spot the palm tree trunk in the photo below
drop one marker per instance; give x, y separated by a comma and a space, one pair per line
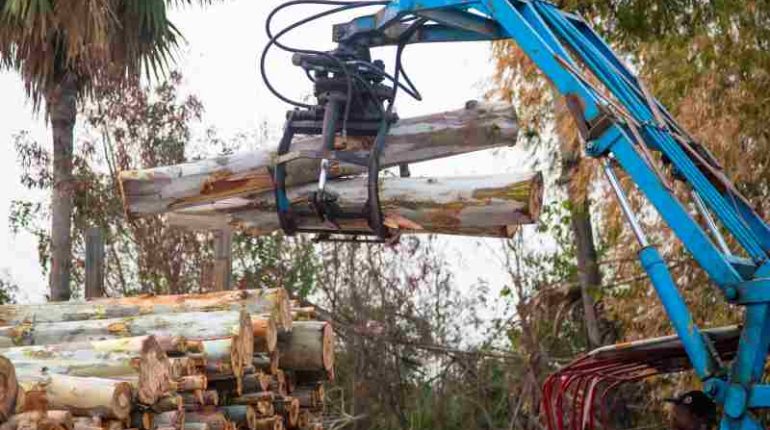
62, 110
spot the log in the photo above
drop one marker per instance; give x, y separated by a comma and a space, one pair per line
196, 426
243, 416
9, 389
491, 206
478, 126
168, 403
192, 383
288, 407
106, 359
273, 423
83, 396
278, 383
182, 366
268, 363
142, 420
310, 397
173, 419
216, 420
225, 357
265, 334
309, 348
202, 398
193, 325
270, 301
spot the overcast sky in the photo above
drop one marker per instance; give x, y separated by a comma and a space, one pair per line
219, 65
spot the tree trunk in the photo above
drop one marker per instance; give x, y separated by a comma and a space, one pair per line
62, 110
310, 347
480, 206
82, 396
478, 126
273, 301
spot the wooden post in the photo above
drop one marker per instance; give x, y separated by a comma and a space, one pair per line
94, 263
223, 251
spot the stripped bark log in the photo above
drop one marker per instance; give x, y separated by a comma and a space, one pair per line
193, 325
273, 423
201, 398
268, 363
216, 420
226, 357
478, 126
479, 206
83, 396
309, 348
168, 403
243, 416
257, 302
141, 356
310, 397
265, 334
173, 419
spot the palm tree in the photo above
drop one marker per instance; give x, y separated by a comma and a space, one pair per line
63, 51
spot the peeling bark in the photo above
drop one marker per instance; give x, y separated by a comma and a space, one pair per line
480, 206
478, 126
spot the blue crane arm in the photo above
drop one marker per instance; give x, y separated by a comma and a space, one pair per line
621, 122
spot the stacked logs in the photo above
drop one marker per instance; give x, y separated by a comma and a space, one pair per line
234, 360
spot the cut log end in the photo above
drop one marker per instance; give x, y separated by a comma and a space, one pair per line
265, 334
154, 372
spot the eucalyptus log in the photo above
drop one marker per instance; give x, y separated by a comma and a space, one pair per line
173, 419
278, 383
104, 398
192, 383
310, 397
309, 348
288, 407
268, 363
142, 420
196, 426
226, 357
257, 302
272, 423
478, 126
9, 389
168, 403
216, 420
243, 416
194, 325
265, 334
201, 398
141, 356
50, 420
493, 206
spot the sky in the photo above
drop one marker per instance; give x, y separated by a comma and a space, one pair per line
219, 64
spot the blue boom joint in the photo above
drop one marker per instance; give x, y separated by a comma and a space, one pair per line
620, 120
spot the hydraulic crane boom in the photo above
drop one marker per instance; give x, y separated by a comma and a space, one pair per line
622, 124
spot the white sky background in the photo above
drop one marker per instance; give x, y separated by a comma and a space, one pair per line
220, 66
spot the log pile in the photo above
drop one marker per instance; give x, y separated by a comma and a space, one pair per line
236, 192
234, 360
